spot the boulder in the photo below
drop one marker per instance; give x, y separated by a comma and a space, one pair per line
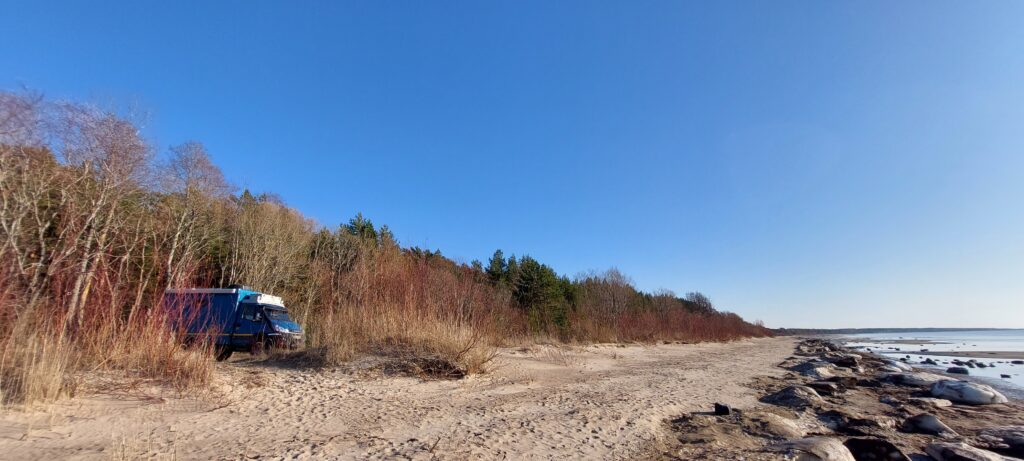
929, 362
825, 387
902, 366
1008, 440
931, 402
819, 448
852, 423
981, 365
1018, 362
722, 409
872, 449
772, 425
958, 370
914, 379
966, 392
848, 361
926, 423
1005, 376
815, 369
844, 382
889, 369
794, 396
961, 452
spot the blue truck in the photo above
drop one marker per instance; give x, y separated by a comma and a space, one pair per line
234, 319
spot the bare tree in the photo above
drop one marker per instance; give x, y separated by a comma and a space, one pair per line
193, 184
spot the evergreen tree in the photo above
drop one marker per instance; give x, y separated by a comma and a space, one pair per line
497, 269
362, 228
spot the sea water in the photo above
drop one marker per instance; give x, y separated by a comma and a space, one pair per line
974, 342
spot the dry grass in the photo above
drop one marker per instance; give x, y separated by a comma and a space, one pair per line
44, 360
394, 305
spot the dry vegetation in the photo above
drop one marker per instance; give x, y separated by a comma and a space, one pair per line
93, 228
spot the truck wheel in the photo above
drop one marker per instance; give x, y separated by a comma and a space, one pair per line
261, 346
223, 353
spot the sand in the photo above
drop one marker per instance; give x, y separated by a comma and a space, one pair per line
597, 402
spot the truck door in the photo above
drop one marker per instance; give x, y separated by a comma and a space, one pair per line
248, 325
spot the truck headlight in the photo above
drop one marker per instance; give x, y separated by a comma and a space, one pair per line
280, 329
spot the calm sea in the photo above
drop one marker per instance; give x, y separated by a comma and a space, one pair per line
958, 341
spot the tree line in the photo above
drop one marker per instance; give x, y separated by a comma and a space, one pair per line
95, 225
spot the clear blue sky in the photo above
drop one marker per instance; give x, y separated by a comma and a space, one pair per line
805, 163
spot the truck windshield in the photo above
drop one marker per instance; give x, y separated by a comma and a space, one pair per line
276, 313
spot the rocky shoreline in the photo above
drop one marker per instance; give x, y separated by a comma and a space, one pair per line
838, 404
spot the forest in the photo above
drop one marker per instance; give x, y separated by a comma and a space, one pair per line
96, 222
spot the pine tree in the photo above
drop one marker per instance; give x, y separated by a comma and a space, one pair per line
497, 269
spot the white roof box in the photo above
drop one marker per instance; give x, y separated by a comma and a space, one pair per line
266, 299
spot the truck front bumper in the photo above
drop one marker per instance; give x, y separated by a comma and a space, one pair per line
288, 340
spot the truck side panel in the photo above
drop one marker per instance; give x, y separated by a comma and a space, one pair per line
206, 313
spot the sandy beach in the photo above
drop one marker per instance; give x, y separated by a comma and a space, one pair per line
595, 402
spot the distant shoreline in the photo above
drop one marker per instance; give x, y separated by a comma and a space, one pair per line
1011, 355
856, 331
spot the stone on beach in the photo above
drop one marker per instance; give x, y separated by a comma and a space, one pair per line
931, 401
966, 392
819, 448
927, 423
958, 370
900, 365
871, 448
772, 425
1005, 439
815, 369
914, 379
794, 396
962, 452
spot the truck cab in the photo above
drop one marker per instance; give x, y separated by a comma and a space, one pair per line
234, 319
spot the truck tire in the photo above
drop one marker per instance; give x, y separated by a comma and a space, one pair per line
223, 353
261, 346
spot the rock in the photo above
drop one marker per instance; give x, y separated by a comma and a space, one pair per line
969, 364
961, 452
958, 370
844, 382
872, 449
849, 361
890, 400
902, 366
966, 392
825, 387
722, 409
847, 422
1008, 440
1018, 362
889, 369
914, 379
794, 396
959, 362
819, 448
926, 423
815, 369
772, 425
981, 365
931, 401
1005, 376
929, 362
